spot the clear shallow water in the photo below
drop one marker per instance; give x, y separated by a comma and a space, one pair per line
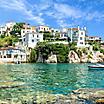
50, 78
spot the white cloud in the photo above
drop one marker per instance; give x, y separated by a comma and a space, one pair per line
61, 12
58, 11
95, 15
24, 8
68, 11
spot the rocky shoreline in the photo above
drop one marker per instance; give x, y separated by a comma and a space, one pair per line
80, 96
80, 57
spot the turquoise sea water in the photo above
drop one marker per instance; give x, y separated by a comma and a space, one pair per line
50, 78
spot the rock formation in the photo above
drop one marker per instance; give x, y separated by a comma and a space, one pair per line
92, 57
52, 59
96, 57
73, 57
84, 58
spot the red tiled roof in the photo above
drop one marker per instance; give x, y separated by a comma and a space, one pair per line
7, 48
73, 29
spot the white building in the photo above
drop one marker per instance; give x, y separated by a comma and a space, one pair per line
7, 28
12, 54
53, 30
10, 25
43, 28
77, 35
81, 38
27, 29
30, 39
93, 38
63, 36
2, 30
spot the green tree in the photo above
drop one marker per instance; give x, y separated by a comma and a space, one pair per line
90, 55
72, 46
47, 36
102, 51
16, 31
8, 41
44, 49
61, 51
96, 46
33, 56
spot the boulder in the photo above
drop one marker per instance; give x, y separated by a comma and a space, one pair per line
52, 59
84, 58
73, 57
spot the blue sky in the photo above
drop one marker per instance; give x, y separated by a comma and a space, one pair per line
56, 13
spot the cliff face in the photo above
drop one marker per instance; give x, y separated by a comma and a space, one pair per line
73, 57
92, 57
40, 58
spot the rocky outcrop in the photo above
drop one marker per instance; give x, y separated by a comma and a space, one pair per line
1, 62
96, 57
84, 58
40, 58
52, 59
92, 57
73, 57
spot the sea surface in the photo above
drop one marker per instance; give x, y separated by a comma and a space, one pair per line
28, 79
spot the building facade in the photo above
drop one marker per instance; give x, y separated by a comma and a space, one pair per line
7, 28
93, 38
31, 39
12, 54
2, 30
77, 35
27, 29
43, 29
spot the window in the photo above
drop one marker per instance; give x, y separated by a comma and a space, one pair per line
81, 33
23, 31
24, 39
65, 35
37, 36
21, 56
33, 35
32, 40
37, 39
80, 38
8, 55
4, 56
81, 42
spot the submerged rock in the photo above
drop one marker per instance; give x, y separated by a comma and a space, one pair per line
80, 96
12, 84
